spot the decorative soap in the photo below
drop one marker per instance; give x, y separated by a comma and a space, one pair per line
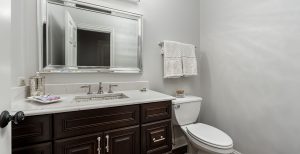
179, 93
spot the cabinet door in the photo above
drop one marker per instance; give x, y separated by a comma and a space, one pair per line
32, 130
44, 148
123, 141
87, 144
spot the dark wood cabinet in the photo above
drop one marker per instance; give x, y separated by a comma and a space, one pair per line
156, 111
123, 141
44, 148
86, 144
134, 129
34, 129
157, 137
91, 121
119, 141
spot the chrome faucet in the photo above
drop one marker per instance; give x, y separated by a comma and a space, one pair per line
100, 90
110, 87
89, 88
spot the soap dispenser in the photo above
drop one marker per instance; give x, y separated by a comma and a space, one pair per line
37, 85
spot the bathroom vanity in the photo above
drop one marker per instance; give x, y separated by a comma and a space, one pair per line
138, 124
80, 37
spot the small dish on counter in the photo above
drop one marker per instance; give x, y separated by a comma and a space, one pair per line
46, 99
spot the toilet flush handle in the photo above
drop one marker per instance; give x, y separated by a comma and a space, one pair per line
177, 106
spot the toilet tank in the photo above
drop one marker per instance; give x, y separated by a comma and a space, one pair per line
186, 110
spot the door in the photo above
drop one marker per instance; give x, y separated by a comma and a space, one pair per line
5, 35
70, 40
123, 141
86, 144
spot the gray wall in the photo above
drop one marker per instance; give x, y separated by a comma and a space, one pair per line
167, 19
251, 72
24, 36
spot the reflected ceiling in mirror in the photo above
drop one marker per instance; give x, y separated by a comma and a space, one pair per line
81, 37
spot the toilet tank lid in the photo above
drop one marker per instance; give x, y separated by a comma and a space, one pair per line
187, 99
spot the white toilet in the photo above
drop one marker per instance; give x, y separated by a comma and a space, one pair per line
202, 138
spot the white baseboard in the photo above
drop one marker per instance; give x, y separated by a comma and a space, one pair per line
236, 152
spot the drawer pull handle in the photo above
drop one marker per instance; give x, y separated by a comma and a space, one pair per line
107, 143
99, 145
158, 140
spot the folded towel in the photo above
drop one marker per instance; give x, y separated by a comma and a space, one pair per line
189, 60
172, 59
189, 66
172, 67
188, 50
179, 59
171, 49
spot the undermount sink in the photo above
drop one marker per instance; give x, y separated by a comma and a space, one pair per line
100, 97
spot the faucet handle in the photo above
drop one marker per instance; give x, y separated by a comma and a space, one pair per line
89, 88
100, 90
110, 87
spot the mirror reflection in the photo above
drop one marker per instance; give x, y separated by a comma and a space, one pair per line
81, 36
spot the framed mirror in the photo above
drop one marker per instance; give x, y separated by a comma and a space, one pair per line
79, 37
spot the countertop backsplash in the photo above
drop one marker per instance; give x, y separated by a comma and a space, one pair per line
74, 88
18, 93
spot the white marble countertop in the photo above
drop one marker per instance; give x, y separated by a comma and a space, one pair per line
68, 103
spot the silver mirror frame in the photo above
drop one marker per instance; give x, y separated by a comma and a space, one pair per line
41, 6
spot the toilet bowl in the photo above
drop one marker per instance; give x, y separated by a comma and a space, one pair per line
202, 138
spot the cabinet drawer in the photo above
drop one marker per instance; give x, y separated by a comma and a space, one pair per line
33, 129
44, 148
156, 111
157, 137
93, 121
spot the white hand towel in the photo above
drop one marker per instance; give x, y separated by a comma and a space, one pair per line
171, 49
189, 60
188, 50
172, 67
172, 59
189, 66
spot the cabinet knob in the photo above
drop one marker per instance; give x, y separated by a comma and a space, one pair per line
5, 118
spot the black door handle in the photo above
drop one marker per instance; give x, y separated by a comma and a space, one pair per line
5, 118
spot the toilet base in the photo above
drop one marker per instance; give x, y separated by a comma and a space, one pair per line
192, 150
196, 147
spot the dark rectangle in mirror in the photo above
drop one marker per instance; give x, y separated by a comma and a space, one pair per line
93, 48
44, 45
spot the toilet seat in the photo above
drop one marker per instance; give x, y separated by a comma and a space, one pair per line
209, 135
